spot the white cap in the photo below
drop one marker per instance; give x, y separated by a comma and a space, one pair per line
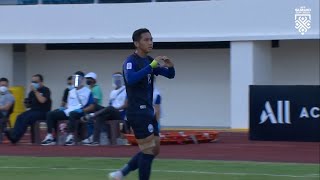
91, 75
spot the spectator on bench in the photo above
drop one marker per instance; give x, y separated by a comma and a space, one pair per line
91, 80
65, 99
80, 101
115, 110
6, 103
38, 102
66, 92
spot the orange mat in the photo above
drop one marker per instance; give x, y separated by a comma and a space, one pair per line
181, 137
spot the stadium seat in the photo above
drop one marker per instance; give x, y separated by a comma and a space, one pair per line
114, 130
36, 132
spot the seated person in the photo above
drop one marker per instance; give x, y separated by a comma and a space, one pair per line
91, 80
66, 92
115, 110
6, 102
80, 101
38, 102
64, 100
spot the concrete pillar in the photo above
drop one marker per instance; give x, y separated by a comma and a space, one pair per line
250, 65
6, 61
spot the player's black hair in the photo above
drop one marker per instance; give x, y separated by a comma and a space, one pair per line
4, 79
136, 36
39, 76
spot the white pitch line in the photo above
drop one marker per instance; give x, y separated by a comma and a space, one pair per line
173, 171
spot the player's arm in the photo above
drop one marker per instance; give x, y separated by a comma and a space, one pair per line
132, 76
167, 70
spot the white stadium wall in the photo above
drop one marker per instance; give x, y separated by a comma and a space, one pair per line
198, 96
200, 93
296, 62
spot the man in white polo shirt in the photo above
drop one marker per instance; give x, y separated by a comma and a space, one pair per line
115, 110
80, 101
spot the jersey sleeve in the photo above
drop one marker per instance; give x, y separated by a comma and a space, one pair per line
133, 76
166, 72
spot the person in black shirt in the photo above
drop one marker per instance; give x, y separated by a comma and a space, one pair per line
38, 102
66, 92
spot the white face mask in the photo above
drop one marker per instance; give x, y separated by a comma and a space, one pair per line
70, 87
3, 89
117, 80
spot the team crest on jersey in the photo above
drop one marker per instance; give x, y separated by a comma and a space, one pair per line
129, 65
150, 128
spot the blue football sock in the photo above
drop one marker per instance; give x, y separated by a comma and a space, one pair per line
145, 163
132, 164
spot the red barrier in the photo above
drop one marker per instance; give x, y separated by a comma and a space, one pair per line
181, 137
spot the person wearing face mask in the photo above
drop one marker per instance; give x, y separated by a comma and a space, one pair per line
115, 110
6, 103
91, 81
39, 103
80, 101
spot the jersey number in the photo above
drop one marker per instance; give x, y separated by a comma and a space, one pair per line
149, 78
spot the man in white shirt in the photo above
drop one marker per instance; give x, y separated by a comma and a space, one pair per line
115, 110
80, 101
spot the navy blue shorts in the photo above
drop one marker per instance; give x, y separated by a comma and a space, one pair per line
143, 125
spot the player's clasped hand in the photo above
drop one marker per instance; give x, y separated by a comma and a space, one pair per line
167, 62
161, 59
155, 62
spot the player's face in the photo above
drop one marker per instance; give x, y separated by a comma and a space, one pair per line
36, 79
4, 83
146, 42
